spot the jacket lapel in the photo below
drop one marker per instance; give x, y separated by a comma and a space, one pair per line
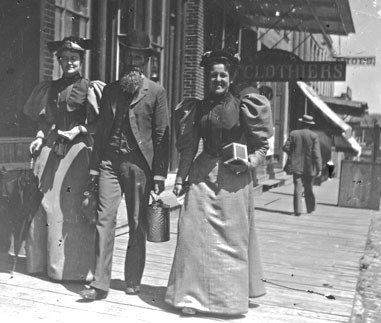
115, 100
141, 93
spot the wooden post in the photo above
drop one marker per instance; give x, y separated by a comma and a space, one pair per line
376, 141
102, 46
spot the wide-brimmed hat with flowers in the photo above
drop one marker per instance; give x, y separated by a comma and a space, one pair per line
71, 43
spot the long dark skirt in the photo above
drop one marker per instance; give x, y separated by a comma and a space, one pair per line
217, 264
60, 242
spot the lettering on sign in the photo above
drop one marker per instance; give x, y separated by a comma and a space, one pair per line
300, 71
369, 60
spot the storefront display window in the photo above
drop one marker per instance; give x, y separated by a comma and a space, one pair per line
142, 15
72, 18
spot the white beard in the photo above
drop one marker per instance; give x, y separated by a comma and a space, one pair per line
132, 80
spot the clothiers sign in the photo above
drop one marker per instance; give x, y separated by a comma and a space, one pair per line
281, 66
306, 71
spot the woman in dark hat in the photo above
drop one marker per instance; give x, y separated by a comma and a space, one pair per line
217, 266
60, 242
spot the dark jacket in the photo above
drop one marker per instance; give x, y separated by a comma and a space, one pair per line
149, 122
303, 149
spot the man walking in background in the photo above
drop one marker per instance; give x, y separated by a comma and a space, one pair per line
304, 163
130, 156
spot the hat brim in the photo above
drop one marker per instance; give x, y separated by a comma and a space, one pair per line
146, 50
308, 122
83, 45
218, 56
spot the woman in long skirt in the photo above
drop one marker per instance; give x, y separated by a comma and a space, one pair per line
61, 242
217, 264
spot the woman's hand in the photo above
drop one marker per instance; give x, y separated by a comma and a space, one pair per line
239, 165
73, 133
36, 145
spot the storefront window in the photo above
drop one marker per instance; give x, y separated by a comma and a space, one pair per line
71, 19
156, 40
131, 15
231, 34
78, 6
157, 9
214, 28
141, 15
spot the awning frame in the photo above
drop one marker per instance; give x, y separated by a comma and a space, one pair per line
329, 114
326, 17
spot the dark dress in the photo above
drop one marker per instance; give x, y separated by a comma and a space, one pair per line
60, 241
217, 264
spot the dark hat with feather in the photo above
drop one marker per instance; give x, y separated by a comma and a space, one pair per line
70, 43
220, 56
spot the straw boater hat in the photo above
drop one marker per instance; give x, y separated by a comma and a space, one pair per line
137, 40
307, 119
71, 43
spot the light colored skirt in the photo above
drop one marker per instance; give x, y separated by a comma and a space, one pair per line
217, 266
60, 242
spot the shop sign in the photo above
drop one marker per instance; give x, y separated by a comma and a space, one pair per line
362, 60
277, 65
301, 71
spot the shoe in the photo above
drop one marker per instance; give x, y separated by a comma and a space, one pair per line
93, 294
132, 290
188, 311
297, 214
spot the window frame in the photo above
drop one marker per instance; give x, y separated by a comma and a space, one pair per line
61, 9
158, 48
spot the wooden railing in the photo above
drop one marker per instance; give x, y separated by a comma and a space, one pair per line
14, 150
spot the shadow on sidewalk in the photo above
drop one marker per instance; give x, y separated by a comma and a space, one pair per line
274, 211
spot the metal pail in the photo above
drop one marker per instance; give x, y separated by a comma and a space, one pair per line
158, 222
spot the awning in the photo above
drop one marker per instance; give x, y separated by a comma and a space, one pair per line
346, 107
331, 116
315, 16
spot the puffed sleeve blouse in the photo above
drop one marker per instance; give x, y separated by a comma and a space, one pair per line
65, 103
218, 121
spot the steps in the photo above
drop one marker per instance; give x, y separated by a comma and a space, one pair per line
280, 178
270, 183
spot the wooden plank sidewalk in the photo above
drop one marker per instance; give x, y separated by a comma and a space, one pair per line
318, 252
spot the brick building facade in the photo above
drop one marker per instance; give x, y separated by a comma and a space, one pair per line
180, 30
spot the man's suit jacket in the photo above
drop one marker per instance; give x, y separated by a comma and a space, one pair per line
148, 114
303, 149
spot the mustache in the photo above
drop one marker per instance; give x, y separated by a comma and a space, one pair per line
132, 68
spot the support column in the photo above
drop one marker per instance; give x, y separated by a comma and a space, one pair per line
102, 30
193, 49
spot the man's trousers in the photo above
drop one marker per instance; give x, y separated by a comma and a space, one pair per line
128, 174
303, 181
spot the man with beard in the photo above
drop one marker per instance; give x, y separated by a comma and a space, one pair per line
130, 156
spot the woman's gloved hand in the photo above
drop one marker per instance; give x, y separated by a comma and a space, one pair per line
74, 132
242, 165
